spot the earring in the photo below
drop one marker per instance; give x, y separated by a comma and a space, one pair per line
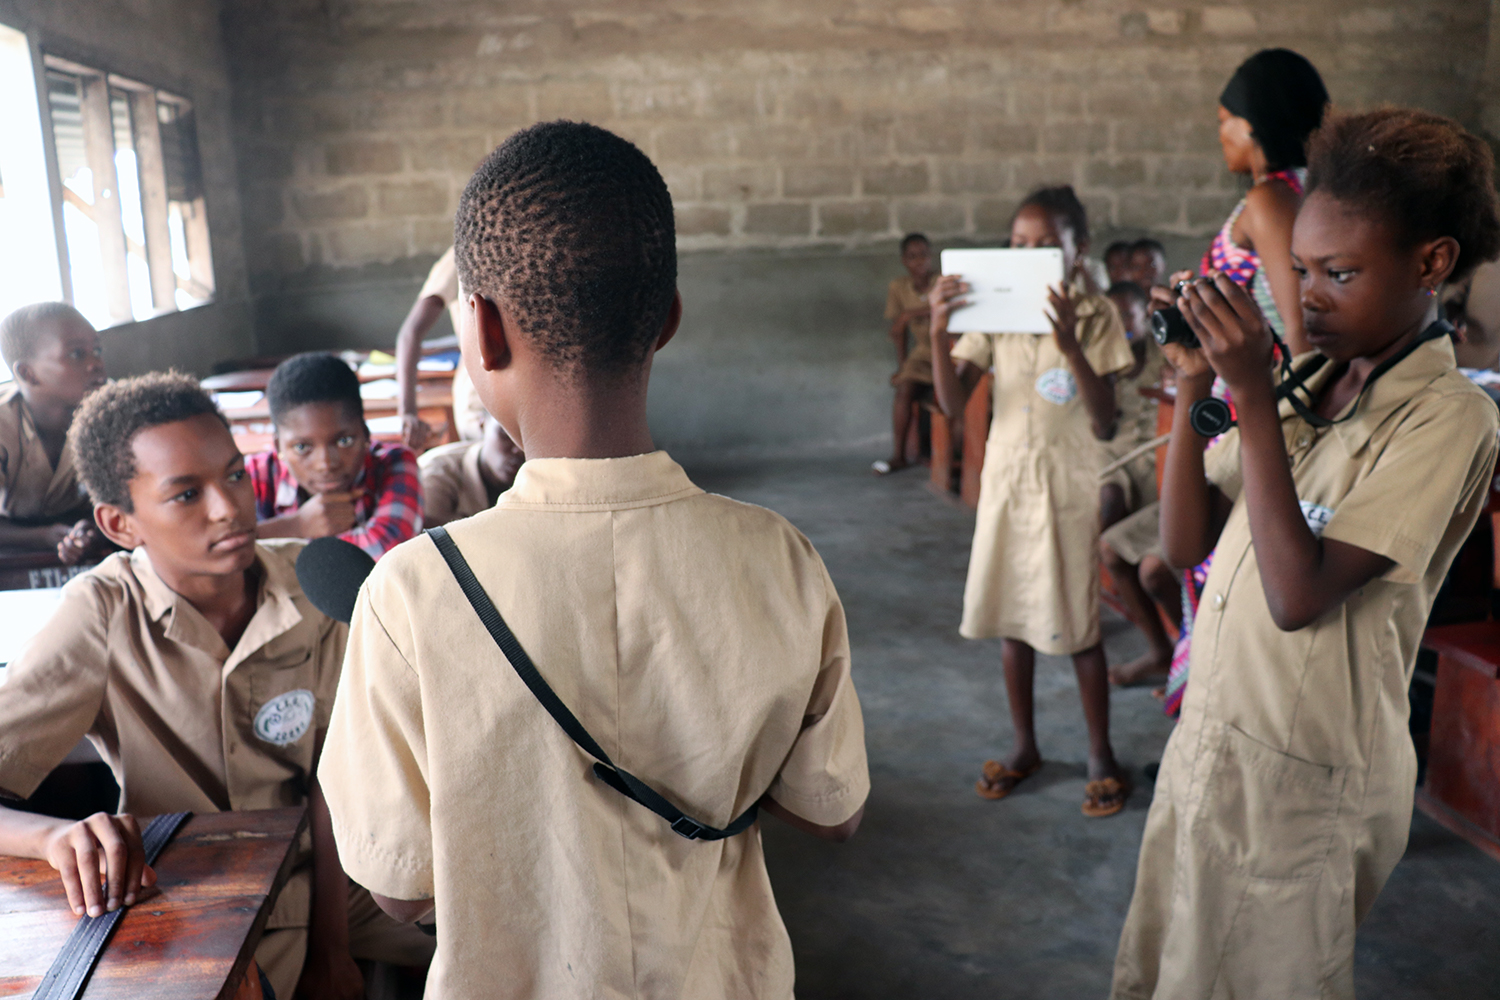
1430, 292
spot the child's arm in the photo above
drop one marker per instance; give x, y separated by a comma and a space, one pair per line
1193, 511
1303, 576
424, 313
398, 506
322, 515
838, 834
1098, 391
38, 538
951, 383
102, 844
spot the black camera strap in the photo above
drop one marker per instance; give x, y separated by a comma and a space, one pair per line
1211, 417
605, 769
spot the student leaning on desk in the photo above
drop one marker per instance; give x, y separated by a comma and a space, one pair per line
199, 671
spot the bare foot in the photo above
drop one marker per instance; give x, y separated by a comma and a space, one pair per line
1149, 669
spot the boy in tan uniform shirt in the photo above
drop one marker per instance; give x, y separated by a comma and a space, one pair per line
196, 703
461, 479
54, 355
699, 640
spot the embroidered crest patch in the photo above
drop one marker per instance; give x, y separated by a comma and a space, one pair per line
286, 718
1316, 515
1057, 385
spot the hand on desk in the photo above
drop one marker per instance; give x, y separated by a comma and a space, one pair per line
101, 846
79, 541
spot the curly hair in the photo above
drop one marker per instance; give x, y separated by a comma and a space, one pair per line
22, 330
109, 418
571, 227
314, 377
1424, 174
1060, 202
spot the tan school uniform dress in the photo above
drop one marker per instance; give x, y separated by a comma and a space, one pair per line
1285, 793
452, 486
468, 412
900, 296
1034, 566
1136, 425
698, 639
30, 488
184, 722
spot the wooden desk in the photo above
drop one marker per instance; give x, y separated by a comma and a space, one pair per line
34, 570
256, 379
191, 941
251, 425
1462, 790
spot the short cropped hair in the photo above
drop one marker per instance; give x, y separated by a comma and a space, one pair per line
1426, 175
1147, 243
1061, 202
1131, 291
314, 377
571, 227
109, 418
1118, 246
911, 238
21, 331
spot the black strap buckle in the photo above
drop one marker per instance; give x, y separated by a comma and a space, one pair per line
686, 827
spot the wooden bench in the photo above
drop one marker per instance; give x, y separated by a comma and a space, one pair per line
1462, 790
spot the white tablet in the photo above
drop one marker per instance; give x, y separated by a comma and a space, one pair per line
1008, 292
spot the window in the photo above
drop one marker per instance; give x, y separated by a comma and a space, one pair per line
132, 195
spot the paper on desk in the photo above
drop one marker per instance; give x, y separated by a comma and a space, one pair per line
381, 388
370, 371
237, 400
384, 425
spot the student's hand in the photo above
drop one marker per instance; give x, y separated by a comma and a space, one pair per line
414, 432
1064, 320
942, 299
101, 846
329, 974
1236, 339
76, 544
327, 514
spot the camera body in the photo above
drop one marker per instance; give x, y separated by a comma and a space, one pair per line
1169, 326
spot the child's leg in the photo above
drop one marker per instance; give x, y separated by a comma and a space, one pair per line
900, 423
1093, 689
1113, 507
1139, 608
1001, 777
1162, 583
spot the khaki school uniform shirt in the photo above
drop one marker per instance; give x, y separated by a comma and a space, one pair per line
1033, 568
452, 486
698, 639
30, 488
442, 283
1136, 425
900, 296
1285, 794
184, 722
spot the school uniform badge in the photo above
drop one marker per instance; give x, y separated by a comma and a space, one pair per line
286, 718
1057, 385
1316, 515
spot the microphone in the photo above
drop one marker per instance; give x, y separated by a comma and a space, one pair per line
331, 571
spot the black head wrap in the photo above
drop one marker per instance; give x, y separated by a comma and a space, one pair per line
1282, 96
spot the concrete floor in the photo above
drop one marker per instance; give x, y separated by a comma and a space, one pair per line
944, 895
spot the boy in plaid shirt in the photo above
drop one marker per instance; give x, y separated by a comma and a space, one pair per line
325, 476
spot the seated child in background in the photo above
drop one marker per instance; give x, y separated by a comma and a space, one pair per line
325, 476
1034, 566
169, 658
55, 358
1130, 541
699, 639
1148, 263
906, 309
461, 479
1118, 265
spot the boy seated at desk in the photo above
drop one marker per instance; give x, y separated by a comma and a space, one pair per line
325, 476
199, 671
698, 638
55, 358
461, 479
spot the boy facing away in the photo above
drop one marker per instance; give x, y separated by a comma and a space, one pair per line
54, 355
173, 658
699, 640
325, 476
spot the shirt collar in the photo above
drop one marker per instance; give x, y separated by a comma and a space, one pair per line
583, 484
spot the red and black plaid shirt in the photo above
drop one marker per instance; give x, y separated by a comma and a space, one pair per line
388, 511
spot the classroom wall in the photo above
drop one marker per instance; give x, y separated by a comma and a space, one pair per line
176, 45
800, 139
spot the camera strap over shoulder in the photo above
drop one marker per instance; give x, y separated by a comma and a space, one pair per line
605, 769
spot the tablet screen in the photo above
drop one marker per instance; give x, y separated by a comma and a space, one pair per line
1008, 292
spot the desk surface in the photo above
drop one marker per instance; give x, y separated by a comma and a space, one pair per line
192, 940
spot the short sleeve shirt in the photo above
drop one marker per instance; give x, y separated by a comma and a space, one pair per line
702, 644
184, 722
452, 486
30, 488
1406, 478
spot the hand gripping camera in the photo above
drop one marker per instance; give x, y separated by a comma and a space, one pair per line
1169, 326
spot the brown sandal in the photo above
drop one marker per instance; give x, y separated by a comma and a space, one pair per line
995, 773
1105, 797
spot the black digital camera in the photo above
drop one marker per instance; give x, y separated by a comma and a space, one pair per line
1169, 326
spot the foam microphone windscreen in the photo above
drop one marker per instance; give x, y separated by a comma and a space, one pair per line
331, 571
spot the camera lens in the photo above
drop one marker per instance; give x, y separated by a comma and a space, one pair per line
1169, 327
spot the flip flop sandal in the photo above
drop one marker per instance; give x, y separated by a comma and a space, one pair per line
884, 468
1105, 797
994, 773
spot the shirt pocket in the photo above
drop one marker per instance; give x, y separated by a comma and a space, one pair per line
1266, 814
